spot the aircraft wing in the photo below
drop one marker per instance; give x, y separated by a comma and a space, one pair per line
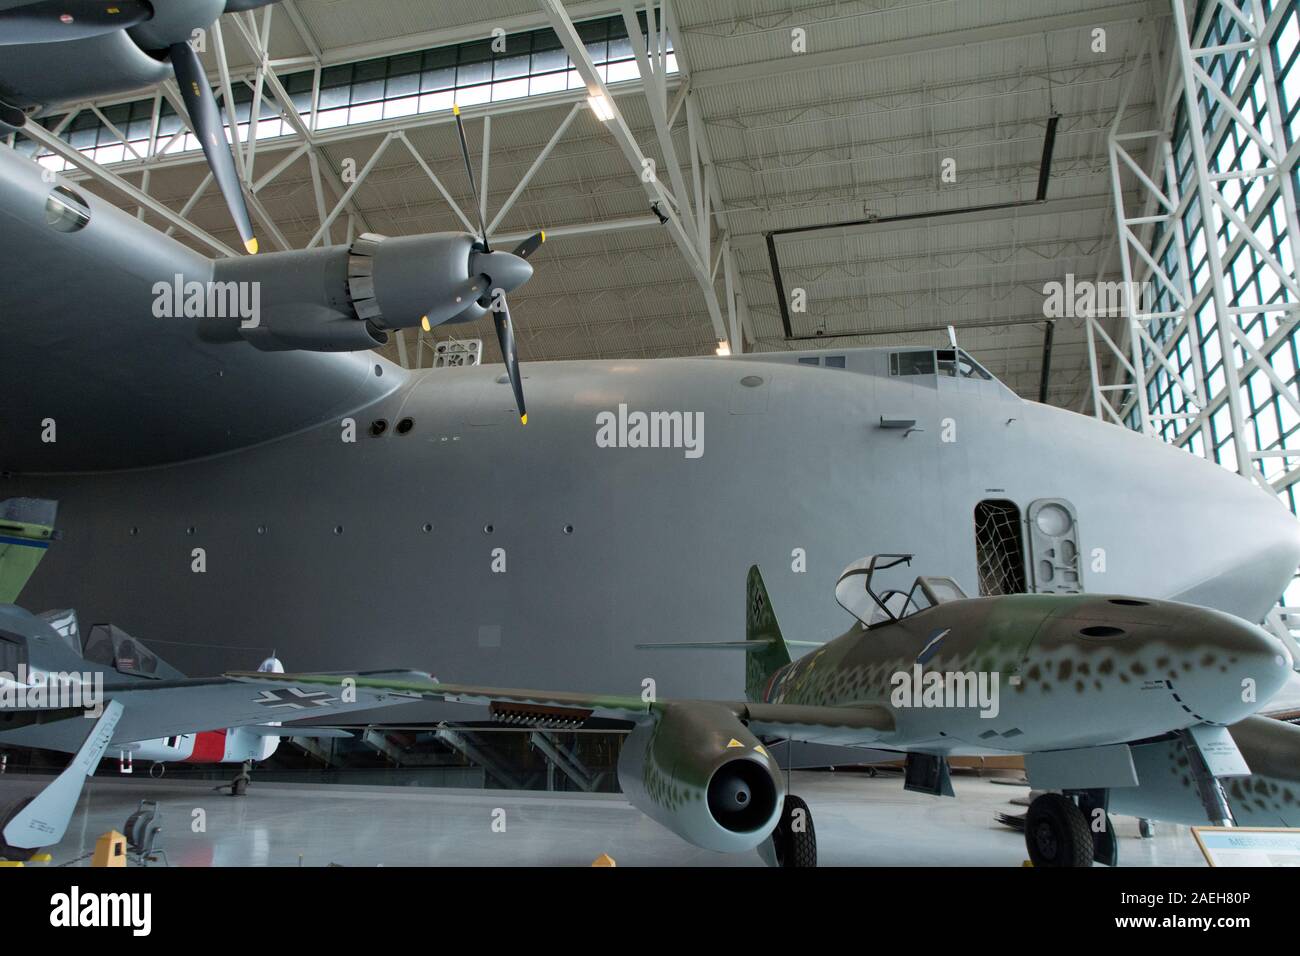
169, 395
153, 709
849, 726
856, 726
424, 686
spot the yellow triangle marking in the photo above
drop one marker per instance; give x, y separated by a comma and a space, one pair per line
734, 743
760, 749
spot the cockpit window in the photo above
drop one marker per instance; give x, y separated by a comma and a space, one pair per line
957, 364
113, 647
941, 590
912, 363
953, 363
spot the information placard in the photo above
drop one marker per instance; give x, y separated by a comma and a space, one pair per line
1249, 846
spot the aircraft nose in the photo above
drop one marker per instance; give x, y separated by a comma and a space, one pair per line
1175, 526
1239, 666
1249, 544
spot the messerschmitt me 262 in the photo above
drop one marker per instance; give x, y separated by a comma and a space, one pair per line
1074, 682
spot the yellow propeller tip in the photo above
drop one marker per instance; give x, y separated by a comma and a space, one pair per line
543, 235
251, 246
424, 323
523, 419
455, 110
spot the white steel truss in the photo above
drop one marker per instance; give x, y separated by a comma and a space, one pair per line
297, 135
1218, 172
1218, 101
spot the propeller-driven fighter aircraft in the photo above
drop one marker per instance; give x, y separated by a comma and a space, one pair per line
51, 682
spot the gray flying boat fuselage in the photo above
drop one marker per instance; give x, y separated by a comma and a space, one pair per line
211, 506
472, 546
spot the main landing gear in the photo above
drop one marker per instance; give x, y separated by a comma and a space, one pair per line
794, 840
238, 787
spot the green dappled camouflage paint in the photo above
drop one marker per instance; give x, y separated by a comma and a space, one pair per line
760, 625
1072, 671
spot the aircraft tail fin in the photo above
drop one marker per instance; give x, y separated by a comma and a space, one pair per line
26, 530
761, 630
766, 650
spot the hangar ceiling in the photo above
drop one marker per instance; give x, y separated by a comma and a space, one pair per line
861, 123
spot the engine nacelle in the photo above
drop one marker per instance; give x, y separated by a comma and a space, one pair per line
396, 282
698, 770
105, 65
347, 298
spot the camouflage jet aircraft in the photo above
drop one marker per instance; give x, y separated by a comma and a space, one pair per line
1072, 681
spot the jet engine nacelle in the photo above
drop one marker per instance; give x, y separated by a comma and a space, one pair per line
698, 770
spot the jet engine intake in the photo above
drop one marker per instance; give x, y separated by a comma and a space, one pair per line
697, 770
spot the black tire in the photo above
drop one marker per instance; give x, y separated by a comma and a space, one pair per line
1056, 832
15, 854
795, 838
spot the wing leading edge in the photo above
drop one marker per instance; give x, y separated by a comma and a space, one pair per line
857, 725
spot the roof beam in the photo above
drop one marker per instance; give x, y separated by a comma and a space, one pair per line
622, 133
762, 71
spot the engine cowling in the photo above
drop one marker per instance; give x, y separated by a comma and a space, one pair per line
107, 64
347, 298
696, 769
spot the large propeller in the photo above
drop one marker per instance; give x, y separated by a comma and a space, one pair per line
506, 271
52, 21
211, 133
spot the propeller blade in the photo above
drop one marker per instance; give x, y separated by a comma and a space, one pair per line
506, 336
530, 245
469, 170
211, 131
463, 305
51, 21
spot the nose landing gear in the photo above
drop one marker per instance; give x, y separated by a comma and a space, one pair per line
1056, 832
1070, 829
